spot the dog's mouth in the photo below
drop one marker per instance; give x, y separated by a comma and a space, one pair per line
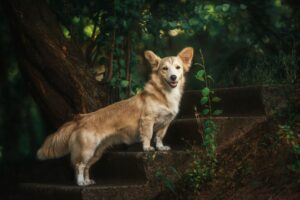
172, 84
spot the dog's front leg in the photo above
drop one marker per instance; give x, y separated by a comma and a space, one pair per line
146, 130
159, 139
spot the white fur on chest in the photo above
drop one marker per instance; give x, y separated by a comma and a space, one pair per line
165, 114
169, 111
173, 97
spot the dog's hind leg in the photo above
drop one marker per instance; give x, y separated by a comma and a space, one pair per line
80, 164
98, 154
82, 151
160, 134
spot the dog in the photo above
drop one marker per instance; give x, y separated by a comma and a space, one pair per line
128, 121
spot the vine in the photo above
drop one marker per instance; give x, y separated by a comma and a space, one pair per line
203, 168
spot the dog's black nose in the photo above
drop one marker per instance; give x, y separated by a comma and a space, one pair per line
173, 77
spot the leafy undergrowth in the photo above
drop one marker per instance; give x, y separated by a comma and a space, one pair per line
260, 165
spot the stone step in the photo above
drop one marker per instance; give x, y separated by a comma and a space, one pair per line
183, 132
110, 168
37, 191
239, 101
135, 186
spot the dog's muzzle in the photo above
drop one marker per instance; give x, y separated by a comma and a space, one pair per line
172, 84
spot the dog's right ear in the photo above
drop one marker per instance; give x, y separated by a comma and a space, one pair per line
153, 59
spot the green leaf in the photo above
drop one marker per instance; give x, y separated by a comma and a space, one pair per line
225, 7
205, 111
124, 24
217, 112
124, 83
112, 20
208, 122
205, 91
123, 95
185, 26
200, 78
200, 75
199, 64
204, 100
193, 21
66, 32
208, 130
216, 99
166, 181
113, 81
122, 62
219, 7
170, 185
210, 77
243, 6
175, 171
76, 20
296, 149
210, 8
172, 24
88, 30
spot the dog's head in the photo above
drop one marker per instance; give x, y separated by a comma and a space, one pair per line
171, 69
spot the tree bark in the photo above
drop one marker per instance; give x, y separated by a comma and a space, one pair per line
54, 67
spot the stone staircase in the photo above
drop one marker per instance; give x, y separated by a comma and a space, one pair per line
129, 173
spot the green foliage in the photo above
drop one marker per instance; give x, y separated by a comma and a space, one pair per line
287, 135
200, 75
265, 69
205, 92
20, 120
166, 181
204, 100
205, 111
216, 99
241, 39
217, 112
199, 175
202, 170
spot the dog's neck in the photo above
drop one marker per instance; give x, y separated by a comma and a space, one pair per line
162, 91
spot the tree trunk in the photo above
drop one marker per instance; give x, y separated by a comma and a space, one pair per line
53, 66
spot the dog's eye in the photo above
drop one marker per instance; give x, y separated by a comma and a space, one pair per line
177, 67
165, 68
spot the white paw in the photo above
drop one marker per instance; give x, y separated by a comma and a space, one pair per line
86, 182
148, 148
81, 183
164, 148
90, 182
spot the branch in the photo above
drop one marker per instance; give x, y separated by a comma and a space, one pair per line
111, 56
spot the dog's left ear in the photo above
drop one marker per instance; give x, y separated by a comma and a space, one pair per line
186, 55
153, 59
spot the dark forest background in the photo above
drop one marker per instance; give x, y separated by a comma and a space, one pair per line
50, 50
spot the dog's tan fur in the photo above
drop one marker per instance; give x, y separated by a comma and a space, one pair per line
128, 121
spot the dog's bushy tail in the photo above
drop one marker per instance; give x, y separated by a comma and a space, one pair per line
57, 144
